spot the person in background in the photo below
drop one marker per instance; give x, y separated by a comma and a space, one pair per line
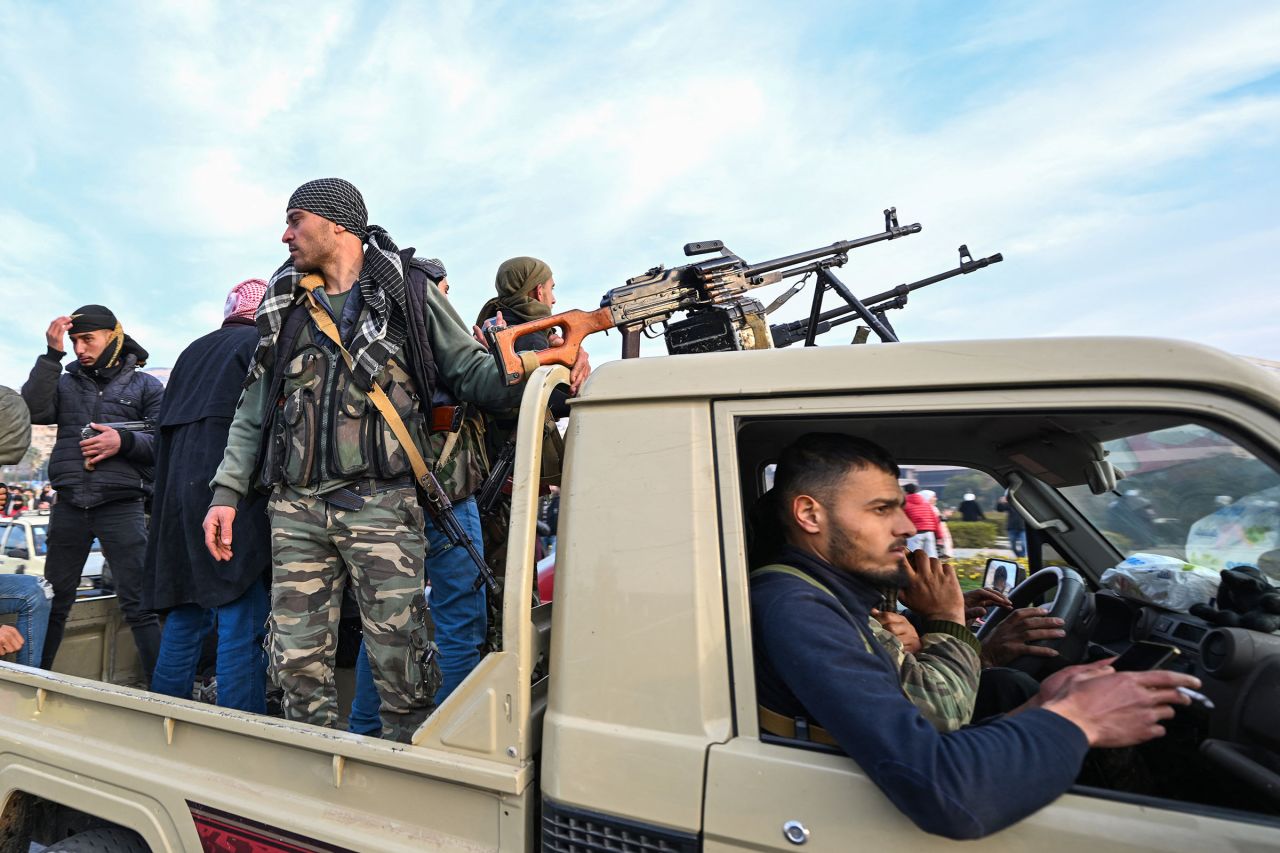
15, 427
26, 595
946, 547
198, 593
924, 518
104, 481
1017, 527
970, 509
29, 597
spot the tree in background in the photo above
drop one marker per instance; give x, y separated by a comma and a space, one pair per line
983, 485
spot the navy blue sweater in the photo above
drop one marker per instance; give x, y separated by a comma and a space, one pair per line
811, 661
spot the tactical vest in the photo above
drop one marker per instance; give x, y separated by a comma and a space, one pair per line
325, 428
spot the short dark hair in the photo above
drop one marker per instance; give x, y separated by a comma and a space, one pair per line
814, 463
911, 488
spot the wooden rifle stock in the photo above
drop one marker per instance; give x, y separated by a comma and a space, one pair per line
573, 325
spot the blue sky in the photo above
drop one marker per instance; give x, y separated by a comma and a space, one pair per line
1123, 157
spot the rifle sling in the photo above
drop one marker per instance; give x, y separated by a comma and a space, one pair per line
376, 395
799, 728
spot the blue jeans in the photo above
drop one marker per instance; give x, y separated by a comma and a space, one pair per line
1018, 541
24, 595
457, 609
242, 663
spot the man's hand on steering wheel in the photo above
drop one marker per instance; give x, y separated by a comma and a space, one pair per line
1011, 639
978, 601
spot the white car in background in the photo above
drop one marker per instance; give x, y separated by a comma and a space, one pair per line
23, 545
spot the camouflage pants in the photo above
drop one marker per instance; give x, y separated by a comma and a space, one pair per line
316, 549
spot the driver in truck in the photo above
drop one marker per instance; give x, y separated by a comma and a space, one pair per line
841, 509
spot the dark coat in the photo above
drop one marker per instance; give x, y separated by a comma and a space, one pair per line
813, 659
74, 399
971, 511
199, 402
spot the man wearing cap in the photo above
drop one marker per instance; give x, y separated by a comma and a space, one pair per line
104, 481
182, 577
343, 503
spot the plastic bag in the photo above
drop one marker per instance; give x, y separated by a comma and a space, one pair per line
1164, 581
1237, 534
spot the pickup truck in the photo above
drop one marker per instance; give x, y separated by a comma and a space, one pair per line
623, 715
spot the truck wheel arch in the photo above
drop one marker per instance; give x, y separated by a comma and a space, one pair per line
112, 840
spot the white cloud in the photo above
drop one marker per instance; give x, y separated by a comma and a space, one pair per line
604, 136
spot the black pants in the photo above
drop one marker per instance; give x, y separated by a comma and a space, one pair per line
122, 529
1000, 690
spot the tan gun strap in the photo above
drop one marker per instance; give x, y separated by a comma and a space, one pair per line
783, 726
379, 397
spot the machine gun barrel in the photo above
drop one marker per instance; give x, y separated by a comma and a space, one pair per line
785, 334
841, 248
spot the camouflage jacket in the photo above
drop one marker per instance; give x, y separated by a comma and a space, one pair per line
941, 680
461, 464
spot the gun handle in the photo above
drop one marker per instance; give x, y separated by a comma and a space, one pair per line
574, 325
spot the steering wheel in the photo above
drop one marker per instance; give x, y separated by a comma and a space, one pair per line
1071, 602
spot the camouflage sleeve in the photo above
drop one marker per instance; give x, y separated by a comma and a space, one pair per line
15, 427
942, 680
231, 482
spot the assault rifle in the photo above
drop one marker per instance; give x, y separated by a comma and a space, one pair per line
442, 512
720, 316
88, 431
497, 479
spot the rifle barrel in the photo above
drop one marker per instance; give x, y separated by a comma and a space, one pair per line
786, 334
834, 249
902, 289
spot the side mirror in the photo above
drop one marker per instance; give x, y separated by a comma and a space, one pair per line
1003, 575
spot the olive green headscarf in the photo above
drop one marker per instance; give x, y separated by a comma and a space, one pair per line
515, 283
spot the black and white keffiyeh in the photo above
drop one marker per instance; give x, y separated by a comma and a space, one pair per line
382, 326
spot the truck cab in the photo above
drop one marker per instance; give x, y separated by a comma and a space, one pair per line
662, 554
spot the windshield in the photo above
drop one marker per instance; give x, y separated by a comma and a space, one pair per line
38, 532
1189, 493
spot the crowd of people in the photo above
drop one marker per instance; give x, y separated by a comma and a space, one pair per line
15, 499
277, 481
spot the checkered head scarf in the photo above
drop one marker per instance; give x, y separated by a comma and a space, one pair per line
243, 300
336, 200
383, 322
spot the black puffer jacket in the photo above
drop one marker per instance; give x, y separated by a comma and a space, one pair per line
73, 399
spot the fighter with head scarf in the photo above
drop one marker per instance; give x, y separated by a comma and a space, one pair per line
526, 291
341, 483
182, 579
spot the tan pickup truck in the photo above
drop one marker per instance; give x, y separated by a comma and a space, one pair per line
643, 734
